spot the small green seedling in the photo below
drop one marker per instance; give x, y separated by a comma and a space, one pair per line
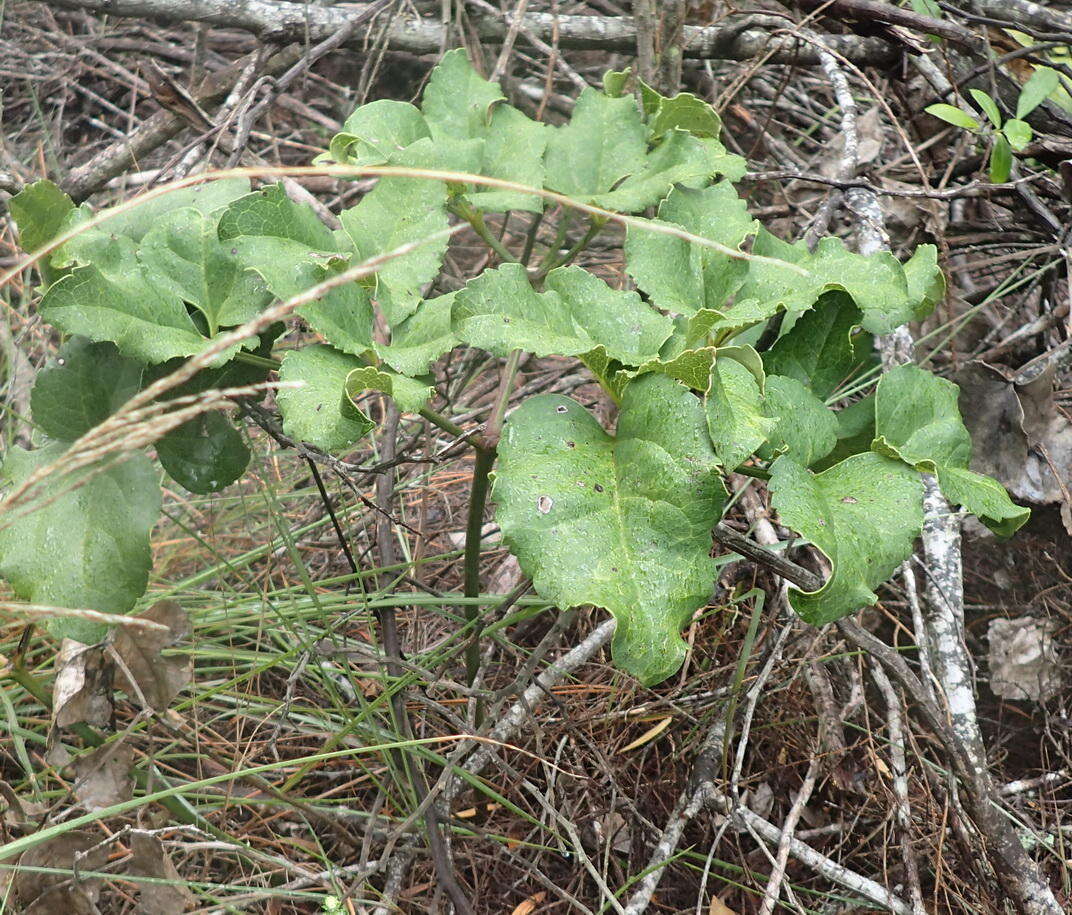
1005, 136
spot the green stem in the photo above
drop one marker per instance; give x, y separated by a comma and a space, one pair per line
474, 529
463, 208
758, 597
595, 225
31, 684
263, 362
530, 238
493, 429
478, 498
756, 473
560, 238
438, 419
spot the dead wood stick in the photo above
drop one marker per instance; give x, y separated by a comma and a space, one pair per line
786, 568
703, 792
1019, 875
289, 21
161, 127
876, 11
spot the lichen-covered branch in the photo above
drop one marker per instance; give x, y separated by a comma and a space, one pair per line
289, 21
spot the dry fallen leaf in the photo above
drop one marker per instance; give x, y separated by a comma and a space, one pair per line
82, 690
1023, 659
103, 778
490, 536
650, 734
1020, 437
718, 907
19, 812
152, 860
760, 799
529, 905
50, 893
612, 827
506, 577
149, 675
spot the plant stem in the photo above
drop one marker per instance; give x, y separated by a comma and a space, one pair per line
463, 208
530, 238
478, 498
560, 237
595, 225
756, 473
392, 649
493, 429
263, 362
31, 684
438, 419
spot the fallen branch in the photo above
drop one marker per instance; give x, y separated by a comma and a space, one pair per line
162, 126
789, 826
520, 711
786, 568
944, 605
902, 809
702, 793
876, 11
304, 22
1024, 13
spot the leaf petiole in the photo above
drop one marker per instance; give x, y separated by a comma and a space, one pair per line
262, 362
595, 226
462, 208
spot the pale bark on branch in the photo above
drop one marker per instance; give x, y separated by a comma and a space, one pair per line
288, 21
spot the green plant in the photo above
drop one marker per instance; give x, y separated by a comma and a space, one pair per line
1004, 136
739, 352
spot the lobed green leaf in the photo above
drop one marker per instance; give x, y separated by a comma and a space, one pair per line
291, 250
805, 428
205, 455
320, 412
623, 522
680, 276
184, 255
917, 420
500, 311
409, 394
863, 513
421, 338
375, 133
84, 385
399, 211
822, 350
39, 210
737, 417
144, 320
86, 547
